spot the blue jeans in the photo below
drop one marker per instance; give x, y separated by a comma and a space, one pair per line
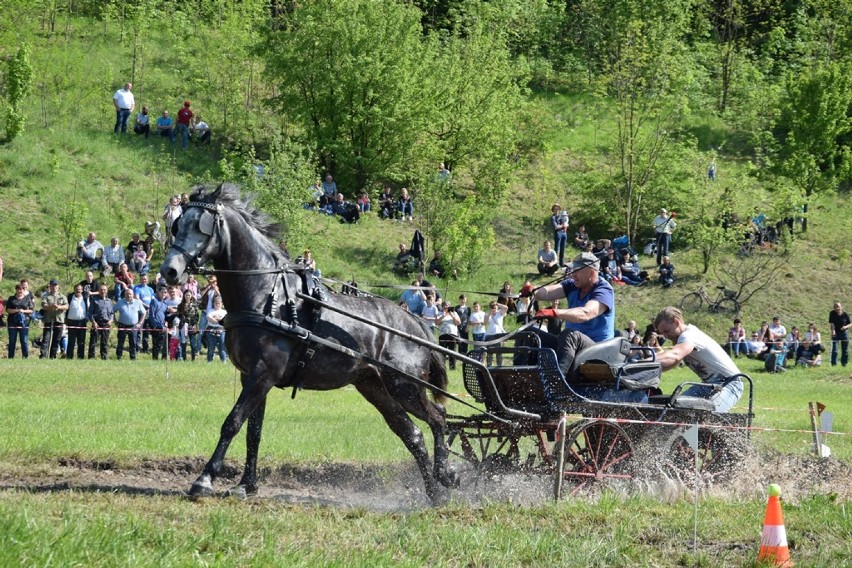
724, 400
121, 118
560, 238
16, 333
841, 342
664, 241
183, 131
216, 342
736, 346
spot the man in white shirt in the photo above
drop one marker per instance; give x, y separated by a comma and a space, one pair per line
201, 130
703, 355
124, 103
664, 224
776, 330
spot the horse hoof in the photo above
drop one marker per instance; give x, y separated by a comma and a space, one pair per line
201, 488
450, 479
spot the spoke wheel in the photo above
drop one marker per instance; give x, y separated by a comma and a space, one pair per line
727, 306
719, 454
596, 452
691, 303
493, 449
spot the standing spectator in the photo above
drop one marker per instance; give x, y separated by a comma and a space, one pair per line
463, 312
414, 298
129, 315
143, 123
329, 192
20, 308
448, 329
431, 311
216, 332
664, 224
711, 171
201, 130
405, 205
548, 263
90, 285
184, 123
90, 252
171, 212
53, 305
559, 223
839, 322
666, 270
191, 286
477, 323
208, 294
124, 105
157, 321
506, 297
113, 255
737, 339
75, 320
144, 293
165, 126
188, 314
100, 314
444, 174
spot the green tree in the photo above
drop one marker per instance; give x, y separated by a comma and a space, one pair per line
19, 80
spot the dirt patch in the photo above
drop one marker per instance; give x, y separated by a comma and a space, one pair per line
399, 487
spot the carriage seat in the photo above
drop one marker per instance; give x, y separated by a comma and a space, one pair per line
684, 402
607, 363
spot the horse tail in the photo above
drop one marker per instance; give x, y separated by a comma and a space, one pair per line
438, 376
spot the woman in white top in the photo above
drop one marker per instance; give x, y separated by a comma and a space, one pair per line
477, 323
448, 329
813, 334
215, 331
494, 326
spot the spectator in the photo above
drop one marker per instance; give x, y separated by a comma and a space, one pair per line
405, 205
477, 323
123, 281
101, 315
581, 238
90, 252
448, 322
315, 196
755, 346
208, 294
165, 126
792, 341
612, 268
664, 224
808, 355
431, 311
347, 212
143, 123
701, 354
216, 331
414, 298
75, 319
776, 358
630, 331
711, 171
631, 271
188, 314
20, 308
444, 174
171, 212
387, 203
494, 325
554, 325
129, 316
113, 255
428, 287
777, 330
53, 305
329, 192
201, 131
436, 266
157, 321
506, 297
666, 270
763, 332
559, 223
737, 339
839, 322
364, 203
137, 255
90, 285
463, 312
144, 293
308, 260
184, 123
191, 285
548, 262
124, 103
813, 335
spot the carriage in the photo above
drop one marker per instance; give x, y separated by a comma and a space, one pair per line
286, 330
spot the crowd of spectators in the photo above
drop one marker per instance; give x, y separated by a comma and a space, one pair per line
188, 125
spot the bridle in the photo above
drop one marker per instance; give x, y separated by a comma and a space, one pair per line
208, 225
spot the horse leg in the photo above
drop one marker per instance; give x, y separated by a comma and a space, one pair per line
253, 392
435, 416
401, 425
248, 484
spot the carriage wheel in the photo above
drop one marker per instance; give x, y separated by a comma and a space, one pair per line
727, 306
487, 447
691, 302
594, 452
719, 454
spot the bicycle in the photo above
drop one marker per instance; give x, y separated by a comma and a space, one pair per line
725, 302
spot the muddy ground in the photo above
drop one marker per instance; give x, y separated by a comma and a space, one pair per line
400, 488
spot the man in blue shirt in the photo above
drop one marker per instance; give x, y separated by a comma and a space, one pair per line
144, 293
157, 320
129, 315
590, 315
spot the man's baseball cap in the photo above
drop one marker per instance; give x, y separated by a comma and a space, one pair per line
585, 259
54, 282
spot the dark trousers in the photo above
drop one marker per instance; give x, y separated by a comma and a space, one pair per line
76, 338
142, 337
842, 345
664, 241
463, 346
129, 332
122, 115
50, 340
449, 342
99, 336
159, 344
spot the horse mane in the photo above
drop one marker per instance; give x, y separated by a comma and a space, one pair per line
230, 194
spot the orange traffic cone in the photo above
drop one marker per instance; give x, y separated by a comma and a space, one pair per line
773, 543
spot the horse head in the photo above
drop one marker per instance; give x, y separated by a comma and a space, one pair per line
197, 234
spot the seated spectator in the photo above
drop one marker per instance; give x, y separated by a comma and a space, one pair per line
792, 341
755, 346
610, 269
123, 281
666, 270
405, 206
387, 204
347, 212
581, 238
631, 271
329, 192
113, 255
777, 330
308, 260
364, 203
436, 266
548, 261
737, 339
414, 298
630, 332
599, 249
90, 253
137, 254
314, 196
813, 335
201, 131
405, 262
763, 333
166, 126
808, 354
143, 123
776, 358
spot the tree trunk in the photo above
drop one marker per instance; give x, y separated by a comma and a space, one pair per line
805, 217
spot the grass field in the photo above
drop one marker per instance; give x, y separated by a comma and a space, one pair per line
123, 413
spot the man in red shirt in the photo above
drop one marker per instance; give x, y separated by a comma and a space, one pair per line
184, 121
